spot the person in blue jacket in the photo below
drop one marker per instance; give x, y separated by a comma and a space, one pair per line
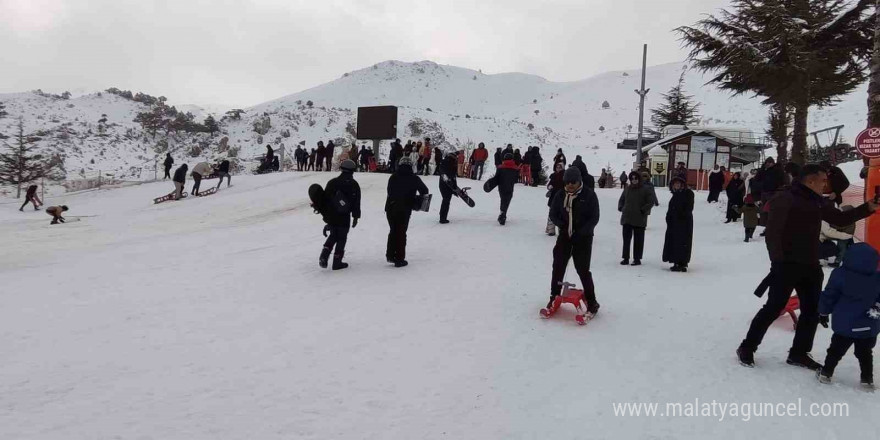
852, 296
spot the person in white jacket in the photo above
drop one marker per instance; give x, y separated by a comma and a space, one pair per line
200, 171
838, 240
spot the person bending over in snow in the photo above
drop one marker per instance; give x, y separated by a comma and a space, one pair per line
343, 196
31, 197
505, 179
575, 210
402, 188
201, 171
223, 171
179, 180
55, 212
852, 297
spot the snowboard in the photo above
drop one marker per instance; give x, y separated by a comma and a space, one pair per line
168, 197
207, 192
461, 193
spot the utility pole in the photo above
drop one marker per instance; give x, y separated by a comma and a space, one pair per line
642, 93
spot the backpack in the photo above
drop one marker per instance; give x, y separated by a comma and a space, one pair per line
340, 204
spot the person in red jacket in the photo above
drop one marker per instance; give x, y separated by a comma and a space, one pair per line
505, 178
480, 156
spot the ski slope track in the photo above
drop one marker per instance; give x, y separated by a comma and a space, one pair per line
209, 318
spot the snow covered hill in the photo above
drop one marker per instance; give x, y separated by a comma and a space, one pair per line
455, 106
209, 318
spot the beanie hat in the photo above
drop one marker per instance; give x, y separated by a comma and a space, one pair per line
507, 156
347, 165
572, 175
405, 161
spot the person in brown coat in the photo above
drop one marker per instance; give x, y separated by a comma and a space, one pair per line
55, 212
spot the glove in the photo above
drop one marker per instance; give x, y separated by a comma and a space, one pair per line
326, 230
874, 312
354, 223
823, 319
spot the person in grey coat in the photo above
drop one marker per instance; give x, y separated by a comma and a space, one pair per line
635, 206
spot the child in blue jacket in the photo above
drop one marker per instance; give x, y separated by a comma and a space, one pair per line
853, 297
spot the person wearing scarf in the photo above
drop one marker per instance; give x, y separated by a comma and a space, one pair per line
575, 211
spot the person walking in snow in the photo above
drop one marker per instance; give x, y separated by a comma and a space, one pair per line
403, 186
716, 183
30, 196
498, 157
364, 158
200, 171
438, 159
852, 298
313, 155
169, 162
223, 171
679, 226
559, 158
635, 206
623, 179
554, 185
588, 179
328, 155
575, 211
735, 193
536, 163
480, 156
448, 172
56, 213
343, 197
505, 179
793, 227
750, 216
320, 156
179, 181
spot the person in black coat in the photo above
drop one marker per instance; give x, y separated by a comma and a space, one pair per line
560, 158
223, 171
679, 226
269, 159
837, 182
554, 185
343, 199
537, 162
505, 179
169, 162
623, 179
402, 188
793, 228
320, 153
328, 155
588, 179
179, 180
448, 173
498, 157
735, 195
395, 154
575, 211
276, 164
716, 184
517, 157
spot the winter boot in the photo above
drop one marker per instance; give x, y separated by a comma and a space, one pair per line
823, 379
868, 386
803, 360
592, 310
325, 255
675, 268
444, 221
337, 262
624, 262
746, 357
401, 263
502, 219
636, 263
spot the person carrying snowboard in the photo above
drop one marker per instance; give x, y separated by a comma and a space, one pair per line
448, 172
55, 212
575, 211
505, 179
179, 180
402, 188
169, 162
31, 197
342, 211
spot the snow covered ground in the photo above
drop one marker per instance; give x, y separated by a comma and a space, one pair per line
210, 319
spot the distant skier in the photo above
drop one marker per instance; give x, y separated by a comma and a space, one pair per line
679, 226
328, 153
223, 171
169, 162
56, 213
635, 206
343, 197
575, 211
30, 196
179, 180
200, 171
448, 168
505, 179
402, 188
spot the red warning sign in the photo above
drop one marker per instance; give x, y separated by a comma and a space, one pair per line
868, 143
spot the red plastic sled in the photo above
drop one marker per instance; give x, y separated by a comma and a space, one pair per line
569, 295
793, 304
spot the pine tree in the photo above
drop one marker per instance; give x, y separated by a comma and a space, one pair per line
679, 109
795, 53
778, 122
19, 165
211, 125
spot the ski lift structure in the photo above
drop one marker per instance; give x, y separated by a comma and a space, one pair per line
832, 150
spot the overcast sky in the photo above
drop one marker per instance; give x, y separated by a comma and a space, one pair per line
244, 52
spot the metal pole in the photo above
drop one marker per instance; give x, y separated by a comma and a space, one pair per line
642, 92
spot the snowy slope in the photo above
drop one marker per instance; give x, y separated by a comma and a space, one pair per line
209, 319
457, 107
